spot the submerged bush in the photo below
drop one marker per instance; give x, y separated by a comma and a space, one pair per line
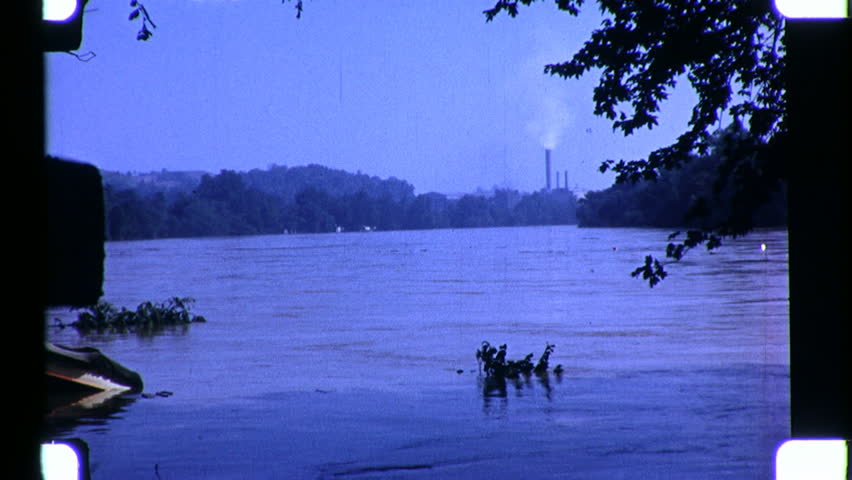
148, 316
492, 361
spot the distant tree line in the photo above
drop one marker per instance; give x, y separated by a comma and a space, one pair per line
317, 199
312, 199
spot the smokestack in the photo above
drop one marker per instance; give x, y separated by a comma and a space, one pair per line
547, 166
557, 179
566, 179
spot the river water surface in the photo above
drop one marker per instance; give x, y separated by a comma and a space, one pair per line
338, 356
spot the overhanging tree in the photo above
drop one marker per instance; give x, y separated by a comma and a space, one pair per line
732, 54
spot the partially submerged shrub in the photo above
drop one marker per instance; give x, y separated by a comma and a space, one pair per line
492, 361
148, 316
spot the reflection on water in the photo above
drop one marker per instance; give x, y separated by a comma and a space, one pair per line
497, 386
496, 389
68, 411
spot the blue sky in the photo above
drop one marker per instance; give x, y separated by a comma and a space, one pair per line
426, 92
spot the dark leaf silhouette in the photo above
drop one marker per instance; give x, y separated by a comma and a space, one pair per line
731, 54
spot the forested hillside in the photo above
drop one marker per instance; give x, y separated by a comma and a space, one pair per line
312, 199
681, 198
315, 199
286, 183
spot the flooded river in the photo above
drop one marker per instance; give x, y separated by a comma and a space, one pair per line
353, 356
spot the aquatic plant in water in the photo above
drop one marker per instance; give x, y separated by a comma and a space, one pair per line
147, 317
492, 361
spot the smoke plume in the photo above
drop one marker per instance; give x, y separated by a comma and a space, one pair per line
549, 119
548, 116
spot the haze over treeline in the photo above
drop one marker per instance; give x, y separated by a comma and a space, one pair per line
318, 199
306, 199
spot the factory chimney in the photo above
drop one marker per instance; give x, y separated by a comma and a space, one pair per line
547, 166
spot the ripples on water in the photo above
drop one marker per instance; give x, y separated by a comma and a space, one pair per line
337, 356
